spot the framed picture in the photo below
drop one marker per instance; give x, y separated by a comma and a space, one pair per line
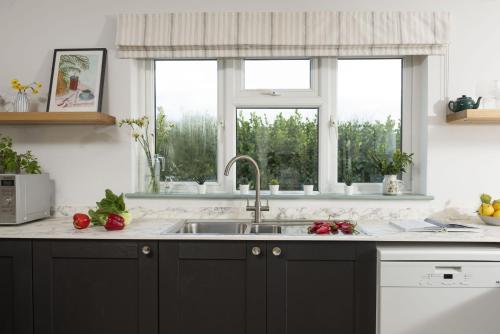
77, 80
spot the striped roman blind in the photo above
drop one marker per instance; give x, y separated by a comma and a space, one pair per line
281, 34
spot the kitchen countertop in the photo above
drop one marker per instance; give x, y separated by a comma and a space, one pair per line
154, 229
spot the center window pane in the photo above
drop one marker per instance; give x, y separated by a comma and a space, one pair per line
283, 141
186, 118
369, 115
278, 74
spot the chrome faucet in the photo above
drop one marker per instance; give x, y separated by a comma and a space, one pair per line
258, 207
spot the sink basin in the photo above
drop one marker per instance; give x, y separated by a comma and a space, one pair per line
239, 227
265, 229
212, 227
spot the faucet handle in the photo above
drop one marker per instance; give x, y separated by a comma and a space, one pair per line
265, 207
250, 207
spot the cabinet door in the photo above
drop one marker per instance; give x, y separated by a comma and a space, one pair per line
95, 287
312, 288
16, 308
212, 287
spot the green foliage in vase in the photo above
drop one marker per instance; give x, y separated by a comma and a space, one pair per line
392, 166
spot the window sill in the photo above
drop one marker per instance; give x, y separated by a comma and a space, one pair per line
283, 196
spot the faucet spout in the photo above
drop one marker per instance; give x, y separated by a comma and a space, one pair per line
257, 208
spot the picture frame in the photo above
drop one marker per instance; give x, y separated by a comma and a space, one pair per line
77, 80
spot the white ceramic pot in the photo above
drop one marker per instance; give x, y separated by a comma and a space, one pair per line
275, 189
308, 189
202, 188
348, 190
244, 188
392, 186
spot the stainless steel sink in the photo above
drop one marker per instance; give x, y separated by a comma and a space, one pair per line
212, 227
238, 227
265, 229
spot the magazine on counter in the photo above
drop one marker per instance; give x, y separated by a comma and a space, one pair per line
432, 225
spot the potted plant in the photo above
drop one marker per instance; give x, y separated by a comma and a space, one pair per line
348, 187
244, 186
202, 187
16, 163
274, 186
390, 168
308, 186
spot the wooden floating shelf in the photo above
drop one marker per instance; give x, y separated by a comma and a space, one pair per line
475, 116
69, 118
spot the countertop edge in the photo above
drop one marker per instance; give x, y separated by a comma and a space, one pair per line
152, 229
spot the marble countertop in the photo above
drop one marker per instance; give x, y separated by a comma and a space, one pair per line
161, 229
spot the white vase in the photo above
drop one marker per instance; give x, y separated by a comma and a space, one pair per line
392, 186
21, 102
275, 189
244, 188
308, 189
202, 189
348, 190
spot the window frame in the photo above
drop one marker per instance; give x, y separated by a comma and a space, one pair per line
407, 130
255, 93
322, 96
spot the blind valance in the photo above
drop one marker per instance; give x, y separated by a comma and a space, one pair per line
281, 34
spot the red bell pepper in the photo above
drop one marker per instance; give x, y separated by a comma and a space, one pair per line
81, 221
114, 222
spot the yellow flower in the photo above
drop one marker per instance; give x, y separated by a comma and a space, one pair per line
39, 84
14, 81
34, 90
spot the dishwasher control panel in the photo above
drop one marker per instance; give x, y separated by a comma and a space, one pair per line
446, 276
439, 274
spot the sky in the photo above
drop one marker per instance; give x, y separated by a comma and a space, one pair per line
367, 90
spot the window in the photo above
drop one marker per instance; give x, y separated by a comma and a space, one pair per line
186, 118
277, 74
327, 116
369, 108
284, 142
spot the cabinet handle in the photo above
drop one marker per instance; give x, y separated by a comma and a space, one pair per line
256, 251
146, 250
276, 251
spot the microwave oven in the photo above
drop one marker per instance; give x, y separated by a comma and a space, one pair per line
24, 198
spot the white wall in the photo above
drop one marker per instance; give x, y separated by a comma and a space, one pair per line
462, 160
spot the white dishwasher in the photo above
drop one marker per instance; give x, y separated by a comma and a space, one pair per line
438, 289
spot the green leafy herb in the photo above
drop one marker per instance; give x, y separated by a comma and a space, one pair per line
12, 162
201, 179
112, 203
